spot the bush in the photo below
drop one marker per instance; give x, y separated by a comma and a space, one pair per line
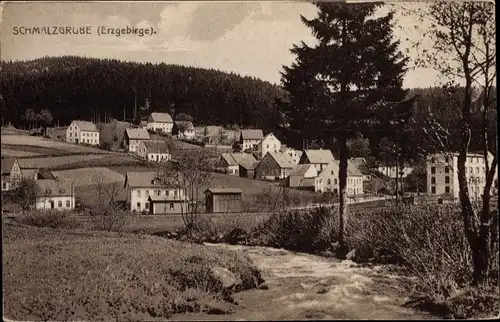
298, 231
47, 218
108, 218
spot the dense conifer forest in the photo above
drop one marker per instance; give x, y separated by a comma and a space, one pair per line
88, 88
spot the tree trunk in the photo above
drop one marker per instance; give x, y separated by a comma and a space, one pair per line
343, 156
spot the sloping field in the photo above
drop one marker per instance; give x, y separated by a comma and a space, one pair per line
49, 162
78, 275
89, 176
43, 142
37, 150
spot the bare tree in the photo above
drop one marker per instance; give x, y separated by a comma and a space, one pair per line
187, 172
463, 42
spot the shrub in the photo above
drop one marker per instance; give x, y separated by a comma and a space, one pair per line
108, 218
48, 218
298, 231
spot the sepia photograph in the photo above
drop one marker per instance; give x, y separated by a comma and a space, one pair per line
249, 160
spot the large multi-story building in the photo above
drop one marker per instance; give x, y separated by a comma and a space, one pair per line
82, 132
442, 175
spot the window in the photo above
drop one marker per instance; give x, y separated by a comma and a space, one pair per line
146, 205
446, 159
138, 193
433, 170
139, 205
433, 180
147, 192
446, 170
447, 189
267, 146
334, 181
158, 192
332, 172
328, 182
433, 190
446, 179
70, 134
59, 204
171, 205
175, 194
471, 170
68, 204
477, 170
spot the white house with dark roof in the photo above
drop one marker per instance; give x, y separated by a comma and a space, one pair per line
154, 150
58, 194
302, 176
328, 180
160, 121
11, 173
249, 139
274, 165
133, 137
229, 162
293, 153
145, 192
270, 143
82, 132
320, 158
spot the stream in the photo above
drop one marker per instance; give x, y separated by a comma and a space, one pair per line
303, 286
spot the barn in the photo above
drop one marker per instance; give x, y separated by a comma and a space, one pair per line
223, 200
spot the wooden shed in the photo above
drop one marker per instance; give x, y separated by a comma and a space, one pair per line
223, 200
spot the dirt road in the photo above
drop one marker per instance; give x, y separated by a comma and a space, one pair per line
302, 286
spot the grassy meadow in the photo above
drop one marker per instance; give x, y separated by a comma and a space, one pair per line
58, 274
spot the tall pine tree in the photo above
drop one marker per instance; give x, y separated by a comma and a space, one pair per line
346, 83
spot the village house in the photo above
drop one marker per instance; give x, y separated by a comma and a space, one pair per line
56, 194
327, 180
82, 132
160, 121
185, 130
250, 138
362, 166
442, 175
302, 177
293, 153
391, 171
274, 165
222, 200
11, 173
319, 158
247, 169
133, 137
146, 193
229, 162
154, 151
269, 143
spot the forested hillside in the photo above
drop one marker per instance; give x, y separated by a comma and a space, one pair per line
84, 88
74, 87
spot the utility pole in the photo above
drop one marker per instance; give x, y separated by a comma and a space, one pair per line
397, 168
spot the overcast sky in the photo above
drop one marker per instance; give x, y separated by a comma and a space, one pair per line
248, 38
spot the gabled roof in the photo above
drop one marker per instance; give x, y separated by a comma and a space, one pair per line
351, 169
43, 174
270, 135
137, 134
360, 163
234, 159
7, 164
161, 117
143, 180
54, 188
223, 190
301, 169
156, 146
319, 156
252, 134
86, 126
284, 161
249, 165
